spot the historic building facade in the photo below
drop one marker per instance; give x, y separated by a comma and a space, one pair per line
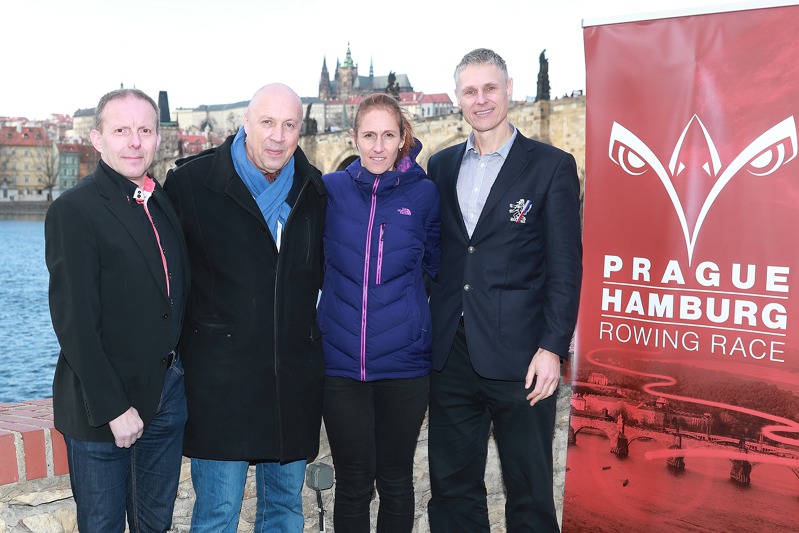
28, 163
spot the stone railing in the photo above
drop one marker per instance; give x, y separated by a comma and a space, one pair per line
35, 495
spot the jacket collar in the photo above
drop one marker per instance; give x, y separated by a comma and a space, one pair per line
223, 179
388, 180
223, 173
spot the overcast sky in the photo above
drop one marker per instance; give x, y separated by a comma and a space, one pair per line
60, 55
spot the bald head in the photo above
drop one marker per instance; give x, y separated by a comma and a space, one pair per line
272, 124
283, 96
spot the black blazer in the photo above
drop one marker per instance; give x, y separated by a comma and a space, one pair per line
109, 306
516, 284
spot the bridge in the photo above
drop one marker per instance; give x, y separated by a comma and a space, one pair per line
743, 461
616, 435
558, 122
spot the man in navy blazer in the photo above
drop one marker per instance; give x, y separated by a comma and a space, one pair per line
118, 278
504, 307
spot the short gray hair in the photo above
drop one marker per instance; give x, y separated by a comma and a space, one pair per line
482, 56
124, 93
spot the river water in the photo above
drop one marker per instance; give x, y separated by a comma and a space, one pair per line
612, 495
28, 345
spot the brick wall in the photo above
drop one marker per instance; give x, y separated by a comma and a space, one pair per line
30, 448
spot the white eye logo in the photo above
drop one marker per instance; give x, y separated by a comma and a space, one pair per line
762, 157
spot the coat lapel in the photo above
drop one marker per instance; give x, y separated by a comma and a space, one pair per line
450, 188
117, 203
166, 207
518, 159
222, 179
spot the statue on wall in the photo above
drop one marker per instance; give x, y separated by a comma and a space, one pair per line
308, 124
392, 88
543, 77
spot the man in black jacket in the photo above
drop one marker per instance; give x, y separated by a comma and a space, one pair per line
118, 276
252, 212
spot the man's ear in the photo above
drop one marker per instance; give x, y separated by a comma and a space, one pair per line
96, 136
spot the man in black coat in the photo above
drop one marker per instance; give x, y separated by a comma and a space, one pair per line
252, 212
504, 307
118, 276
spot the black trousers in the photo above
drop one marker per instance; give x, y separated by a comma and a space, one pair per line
463, 405
373, 428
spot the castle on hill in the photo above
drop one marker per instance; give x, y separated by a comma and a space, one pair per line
347, 83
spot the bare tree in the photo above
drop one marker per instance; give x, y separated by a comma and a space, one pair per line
6, 178
47, 167
232, 125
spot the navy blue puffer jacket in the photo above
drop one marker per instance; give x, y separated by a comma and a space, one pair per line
380, 233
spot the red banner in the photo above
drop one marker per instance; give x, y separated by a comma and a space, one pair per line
685, 389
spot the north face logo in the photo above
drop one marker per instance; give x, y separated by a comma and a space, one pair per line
695, 152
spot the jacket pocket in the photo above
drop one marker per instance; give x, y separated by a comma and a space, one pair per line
379, 273
207, 340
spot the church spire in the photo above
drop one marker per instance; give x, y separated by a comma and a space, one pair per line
324, 82
348, 60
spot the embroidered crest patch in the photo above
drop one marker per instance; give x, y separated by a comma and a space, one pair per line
518, 211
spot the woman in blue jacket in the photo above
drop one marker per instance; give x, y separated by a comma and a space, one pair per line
381, 233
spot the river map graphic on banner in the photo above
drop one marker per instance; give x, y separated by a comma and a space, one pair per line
685, 384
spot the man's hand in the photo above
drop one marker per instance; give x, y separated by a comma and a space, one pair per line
545, 369
127, 428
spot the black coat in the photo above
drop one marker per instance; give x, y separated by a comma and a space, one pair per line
109, 306
251, 349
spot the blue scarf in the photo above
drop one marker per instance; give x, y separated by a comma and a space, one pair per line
270, 197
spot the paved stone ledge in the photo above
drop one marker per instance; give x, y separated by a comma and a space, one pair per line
35, 495
23, 210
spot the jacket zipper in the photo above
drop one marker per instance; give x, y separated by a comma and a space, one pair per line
380, 254
365, 287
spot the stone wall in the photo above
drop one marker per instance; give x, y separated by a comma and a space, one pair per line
35, 494
23, 210
558, 122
